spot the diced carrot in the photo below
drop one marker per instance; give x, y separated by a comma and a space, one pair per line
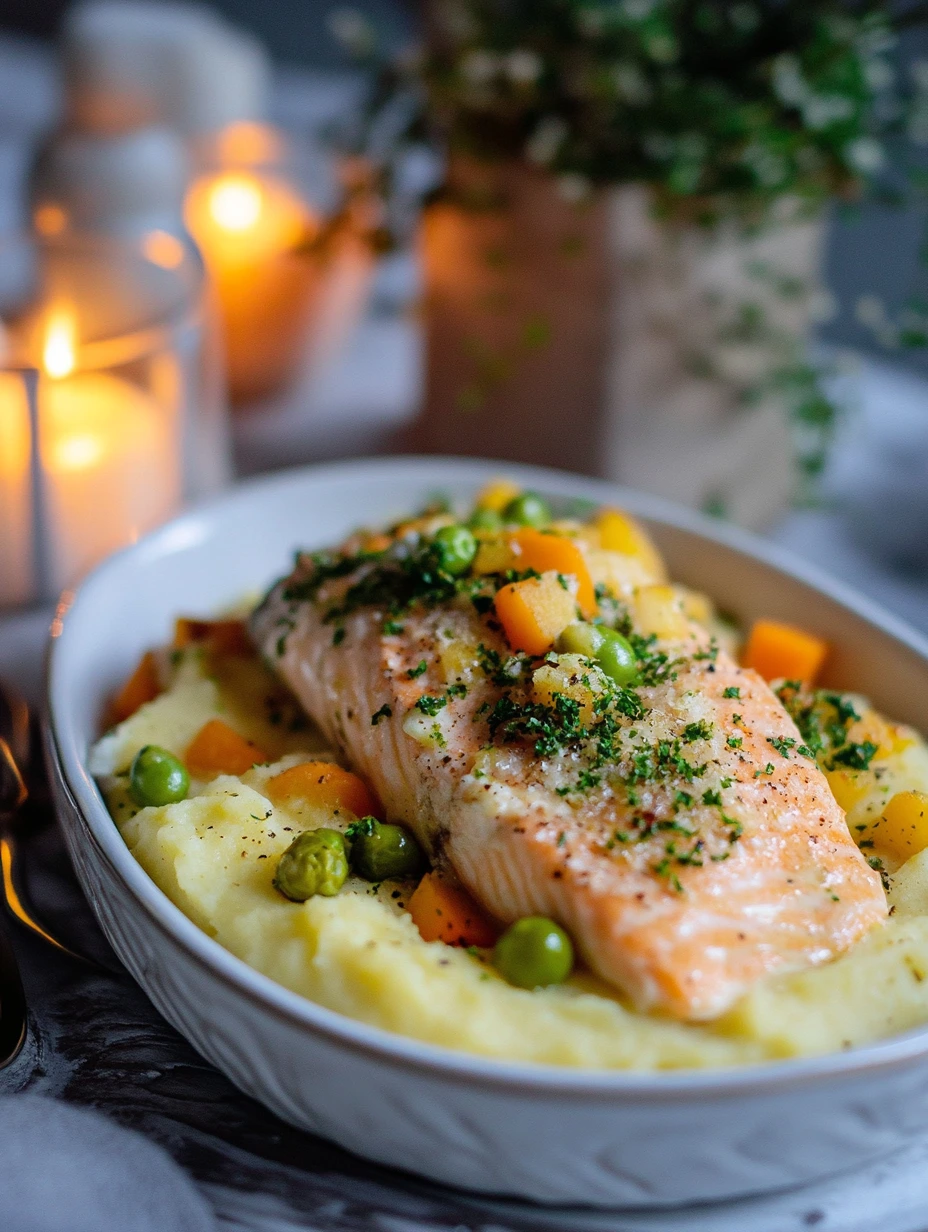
141, 687
325, 784
217, 748
778, 651
222, 636
536, 550
444, 912
618, 532
533, 612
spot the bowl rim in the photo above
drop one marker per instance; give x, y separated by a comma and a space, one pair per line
71, 776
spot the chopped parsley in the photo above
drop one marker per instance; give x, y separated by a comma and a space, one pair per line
431, 705
782, 744
735, 742
384, 712
732, 691
854, 756
697, 731
418, 670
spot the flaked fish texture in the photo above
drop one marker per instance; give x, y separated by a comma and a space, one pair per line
678, 830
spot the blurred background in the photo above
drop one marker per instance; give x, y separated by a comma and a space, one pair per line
680, 245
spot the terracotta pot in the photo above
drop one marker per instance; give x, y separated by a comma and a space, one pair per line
517, 327
595, 337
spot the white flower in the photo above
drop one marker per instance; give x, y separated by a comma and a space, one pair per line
769, 168
523, 66
789, 85
879, 74
574, 188
865, 155
638, 10
870, 311
820, 110
544, 143
662, 48
479, 67
632, 85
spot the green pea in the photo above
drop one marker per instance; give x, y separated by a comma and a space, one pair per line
617, 659
527, 510
157, 777
380, 851
455, 548
533, 953
316, 862
485, 519
581, 638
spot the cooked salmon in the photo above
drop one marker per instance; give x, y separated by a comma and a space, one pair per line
680, 831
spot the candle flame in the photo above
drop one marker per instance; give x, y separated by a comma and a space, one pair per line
77, 452
58, 355
235, 202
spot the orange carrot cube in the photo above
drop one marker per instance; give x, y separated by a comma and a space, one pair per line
325, 784
779, 651
444, 912
217, 748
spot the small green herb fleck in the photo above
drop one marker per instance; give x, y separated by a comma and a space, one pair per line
384, 712
431, 705
854, 756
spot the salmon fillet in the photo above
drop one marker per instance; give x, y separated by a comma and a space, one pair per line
689, 845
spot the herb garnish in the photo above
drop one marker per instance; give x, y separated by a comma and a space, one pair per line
431, 705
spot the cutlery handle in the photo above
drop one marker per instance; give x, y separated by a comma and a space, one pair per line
12, 1004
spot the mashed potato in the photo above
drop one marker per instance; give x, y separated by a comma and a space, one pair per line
214, 854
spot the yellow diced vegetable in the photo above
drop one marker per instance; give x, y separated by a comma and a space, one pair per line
903, 829
572, 676
494, 556
618, 532
497, 494
658, 610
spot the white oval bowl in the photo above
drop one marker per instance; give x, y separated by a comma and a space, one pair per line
547, 1134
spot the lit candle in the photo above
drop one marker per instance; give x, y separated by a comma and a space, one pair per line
109, 467
253, 230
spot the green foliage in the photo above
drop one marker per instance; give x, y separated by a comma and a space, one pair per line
703, 99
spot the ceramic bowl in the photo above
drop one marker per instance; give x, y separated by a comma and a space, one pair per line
547, 1134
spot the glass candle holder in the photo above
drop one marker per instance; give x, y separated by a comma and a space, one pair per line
259, 237
111, 412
